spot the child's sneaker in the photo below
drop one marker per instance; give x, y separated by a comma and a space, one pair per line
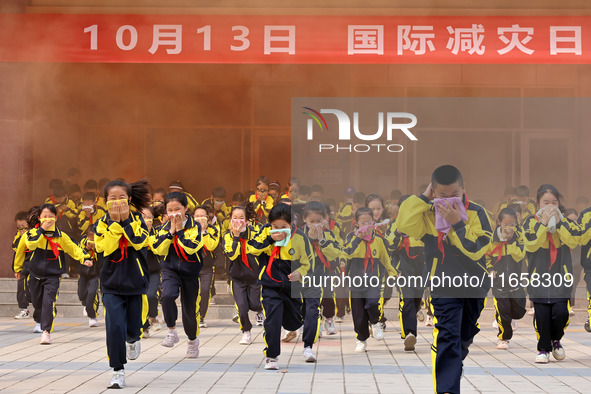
133, 350
558, 351
409, 342
92, 323
361, 346
429, 322
421, 316
202, 324
338, 319
84, 313
170, 339
329, 326
246, 338
271, 364
37, 329
45, 338
290, 336
260, 318
146, 333
309, 355
543, 357
378, 332
587, 326
514, 325
23, 314
503, 345
118, 380
193, 348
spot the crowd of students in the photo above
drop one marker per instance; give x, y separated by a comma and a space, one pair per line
140, 248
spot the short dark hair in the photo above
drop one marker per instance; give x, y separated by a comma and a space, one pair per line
88, 196
74, 188
91, 184
522, 191
280, 211
316, 207
446, 175
363, 211
177, 196
219, 192
305, 190
21, 216
359, 198
59, 191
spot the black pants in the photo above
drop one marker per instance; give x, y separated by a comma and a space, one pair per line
387, 296
407, 312
280, 311
88, 294
124, 318
311, 312
23, 297
341, 300
456, 324
247, 297
206, 283
550, 320
188, 287
365, 309
44, 293
507, 310
328, 304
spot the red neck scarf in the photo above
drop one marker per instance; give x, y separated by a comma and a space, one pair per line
243, 254
553, 250
498, 249
320, 255
122, 249
274, 254
406, 245
368, 254
180, 252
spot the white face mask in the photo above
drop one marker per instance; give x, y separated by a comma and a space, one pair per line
90, 207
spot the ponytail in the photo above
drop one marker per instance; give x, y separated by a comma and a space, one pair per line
138, 191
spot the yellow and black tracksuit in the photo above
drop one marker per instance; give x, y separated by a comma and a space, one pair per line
584, 221
371, 259
67, 221
86, 221
327, 254
341, 293
262, 208
345, 217
191, 203
410, 263
549, 256
505, 259
527, 209
21, 260
182, 262
46, 265
456, 309
282, 302
155, 277
88, 281
124, 281
211, 241
222, 213
243, 269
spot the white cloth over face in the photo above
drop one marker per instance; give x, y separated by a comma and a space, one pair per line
552, 223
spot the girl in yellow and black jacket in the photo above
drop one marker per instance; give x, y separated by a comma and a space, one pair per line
243, 268
47, 244
154, 268
21, 257
548, 239
121, 237
210, 233
285, 258
584, 222
504, 260
90, 213
263, 202
88, 280
180, 242
368, 266
408, 253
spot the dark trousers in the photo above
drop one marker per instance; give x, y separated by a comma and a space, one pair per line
456, 324
407, 312
328, 304
152, 294
312, 321
88, 294
507, 310
280, 311
365, 309
550, 320
206, 283
247, 297
124, 318
341, 300
44, 293
23, 297
188, 287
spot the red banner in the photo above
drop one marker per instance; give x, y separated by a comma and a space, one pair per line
294, 39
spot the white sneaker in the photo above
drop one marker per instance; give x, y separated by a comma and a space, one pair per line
212, 301
37, 329
23, 314
271, 364
246, 338
133, 350
92, 323
236, 319
429, 322
361, 346
118, 380
202, 324
330, 327
45, 338
193, 348
409, 342
84, 313
514, 325
290, 336
309, 355
170, 339
543, 357
558, 351
65, 276
378, 331
421, 316
260, 318
495, 324
503, 345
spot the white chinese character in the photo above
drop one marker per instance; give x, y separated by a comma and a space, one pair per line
466, 39
574, 39
366, 39
418, 41
515, 42
289, 38
170, 35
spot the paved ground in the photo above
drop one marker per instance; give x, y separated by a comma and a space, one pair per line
77, 363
